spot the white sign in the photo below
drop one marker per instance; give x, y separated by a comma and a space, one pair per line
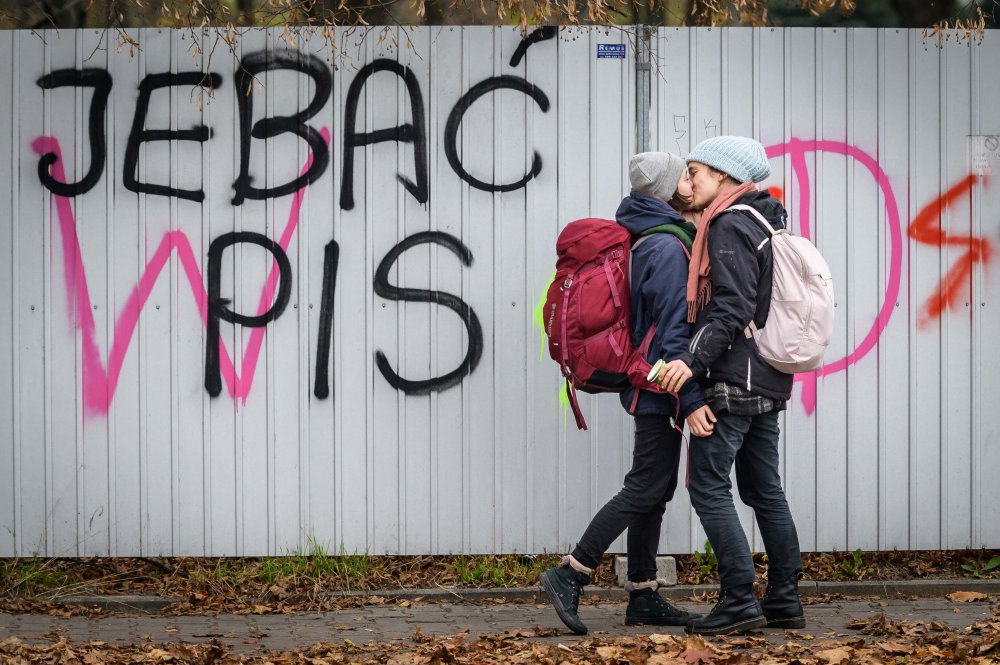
984, 154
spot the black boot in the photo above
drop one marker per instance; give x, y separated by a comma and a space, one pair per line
736, 612
647, 607
563, 586
781, 604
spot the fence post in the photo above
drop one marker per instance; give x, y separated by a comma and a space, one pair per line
643, 35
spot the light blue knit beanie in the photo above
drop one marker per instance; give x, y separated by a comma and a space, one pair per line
742, 158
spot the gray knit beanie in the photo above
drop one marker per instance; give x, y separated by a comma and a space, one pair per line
742, 158
656, 173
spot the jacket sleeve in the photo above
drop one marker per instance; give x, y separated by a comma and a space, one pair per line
735, 273
664, 289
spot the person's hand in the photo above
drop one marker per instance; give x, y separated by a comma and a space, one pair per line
673, 375
702, 422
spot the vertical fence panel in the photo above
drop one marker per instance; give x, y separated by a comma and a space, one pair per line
60, 353
30, 307
925, 272
956, 334
543, 219
860, 287
801, 467
986, 318
8, 190
895, 131
830, 219
671, 81
450, 340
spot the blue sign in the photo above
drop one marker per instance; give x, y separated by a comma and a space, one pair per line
611, 51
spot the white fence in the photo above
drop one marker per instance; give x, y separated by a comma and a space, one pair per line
289, 294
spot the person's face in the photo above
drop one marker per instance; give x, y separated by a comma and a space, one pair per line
705, 184
684, 187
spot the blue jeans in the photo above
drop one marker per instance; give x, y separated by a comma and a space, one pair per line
640, 504
752, 443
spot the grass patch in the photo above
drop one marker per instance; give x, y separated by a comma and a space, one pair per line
501, 570
314, 567
30, 576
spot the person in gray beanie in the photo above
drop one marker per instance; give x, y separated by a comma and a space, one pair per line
661, 242
729, 287
656, 174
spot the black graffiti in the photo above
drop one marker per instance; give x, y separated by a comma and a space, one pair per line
411, 132
386, 290
539, 35
100, 81
249, 68
218, 306
463, 105
253, 64
331, 259
140, 134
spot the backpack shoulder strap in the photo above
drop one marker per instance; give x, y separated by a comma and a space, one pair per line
756, 215
663, 228
749, 331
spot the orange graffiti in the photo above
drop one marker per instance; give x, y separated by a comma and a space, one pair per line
926, 229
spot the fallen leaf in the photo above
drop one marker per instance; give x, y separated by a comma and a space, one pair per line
697, 650
609, 653
988, 646
665, 659
404, 603
895, 648
835, 656
967, 596
659, 638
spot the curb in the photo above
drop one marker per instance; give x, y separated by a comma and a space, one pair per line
807, 588
134, 603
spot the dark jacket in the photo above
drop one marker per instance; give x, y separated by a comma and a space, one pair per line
659, 283
741, 291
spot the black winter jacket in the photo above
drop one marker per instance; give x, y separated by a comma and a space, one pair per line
740, 252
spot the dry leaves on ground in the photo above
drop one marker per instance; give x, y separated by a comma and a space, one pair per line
914, 644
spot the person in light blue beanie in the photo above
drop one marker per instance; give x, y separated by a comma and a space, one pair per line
742, 158
730, 285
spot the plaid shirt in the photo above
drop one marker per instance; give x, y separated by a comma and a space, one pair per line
740, 402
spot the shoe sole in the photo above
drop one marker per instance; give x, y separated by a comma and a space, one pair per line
788, 622
738, 627
564, 615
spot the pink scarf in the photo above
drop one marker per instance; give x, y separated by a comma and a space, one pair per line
699, 286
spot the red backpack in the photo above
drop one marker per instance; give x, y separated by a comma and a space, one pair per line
588, 317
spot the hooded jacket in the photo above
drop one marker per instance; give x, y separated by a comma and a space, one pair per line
742, 261
658, 291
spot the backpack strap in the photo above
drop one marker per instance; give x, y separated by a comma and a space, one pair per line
575, 405
751, 329
756, 215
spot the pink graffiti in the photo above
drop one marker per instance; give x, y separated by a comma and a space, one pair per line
797, 150
99, 384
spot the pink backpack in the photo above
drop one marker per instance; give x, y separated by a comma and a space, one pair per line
588, 313
800, 319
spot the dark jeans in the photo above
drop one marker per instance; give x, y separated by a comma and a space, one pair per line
752, 442
640, 504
